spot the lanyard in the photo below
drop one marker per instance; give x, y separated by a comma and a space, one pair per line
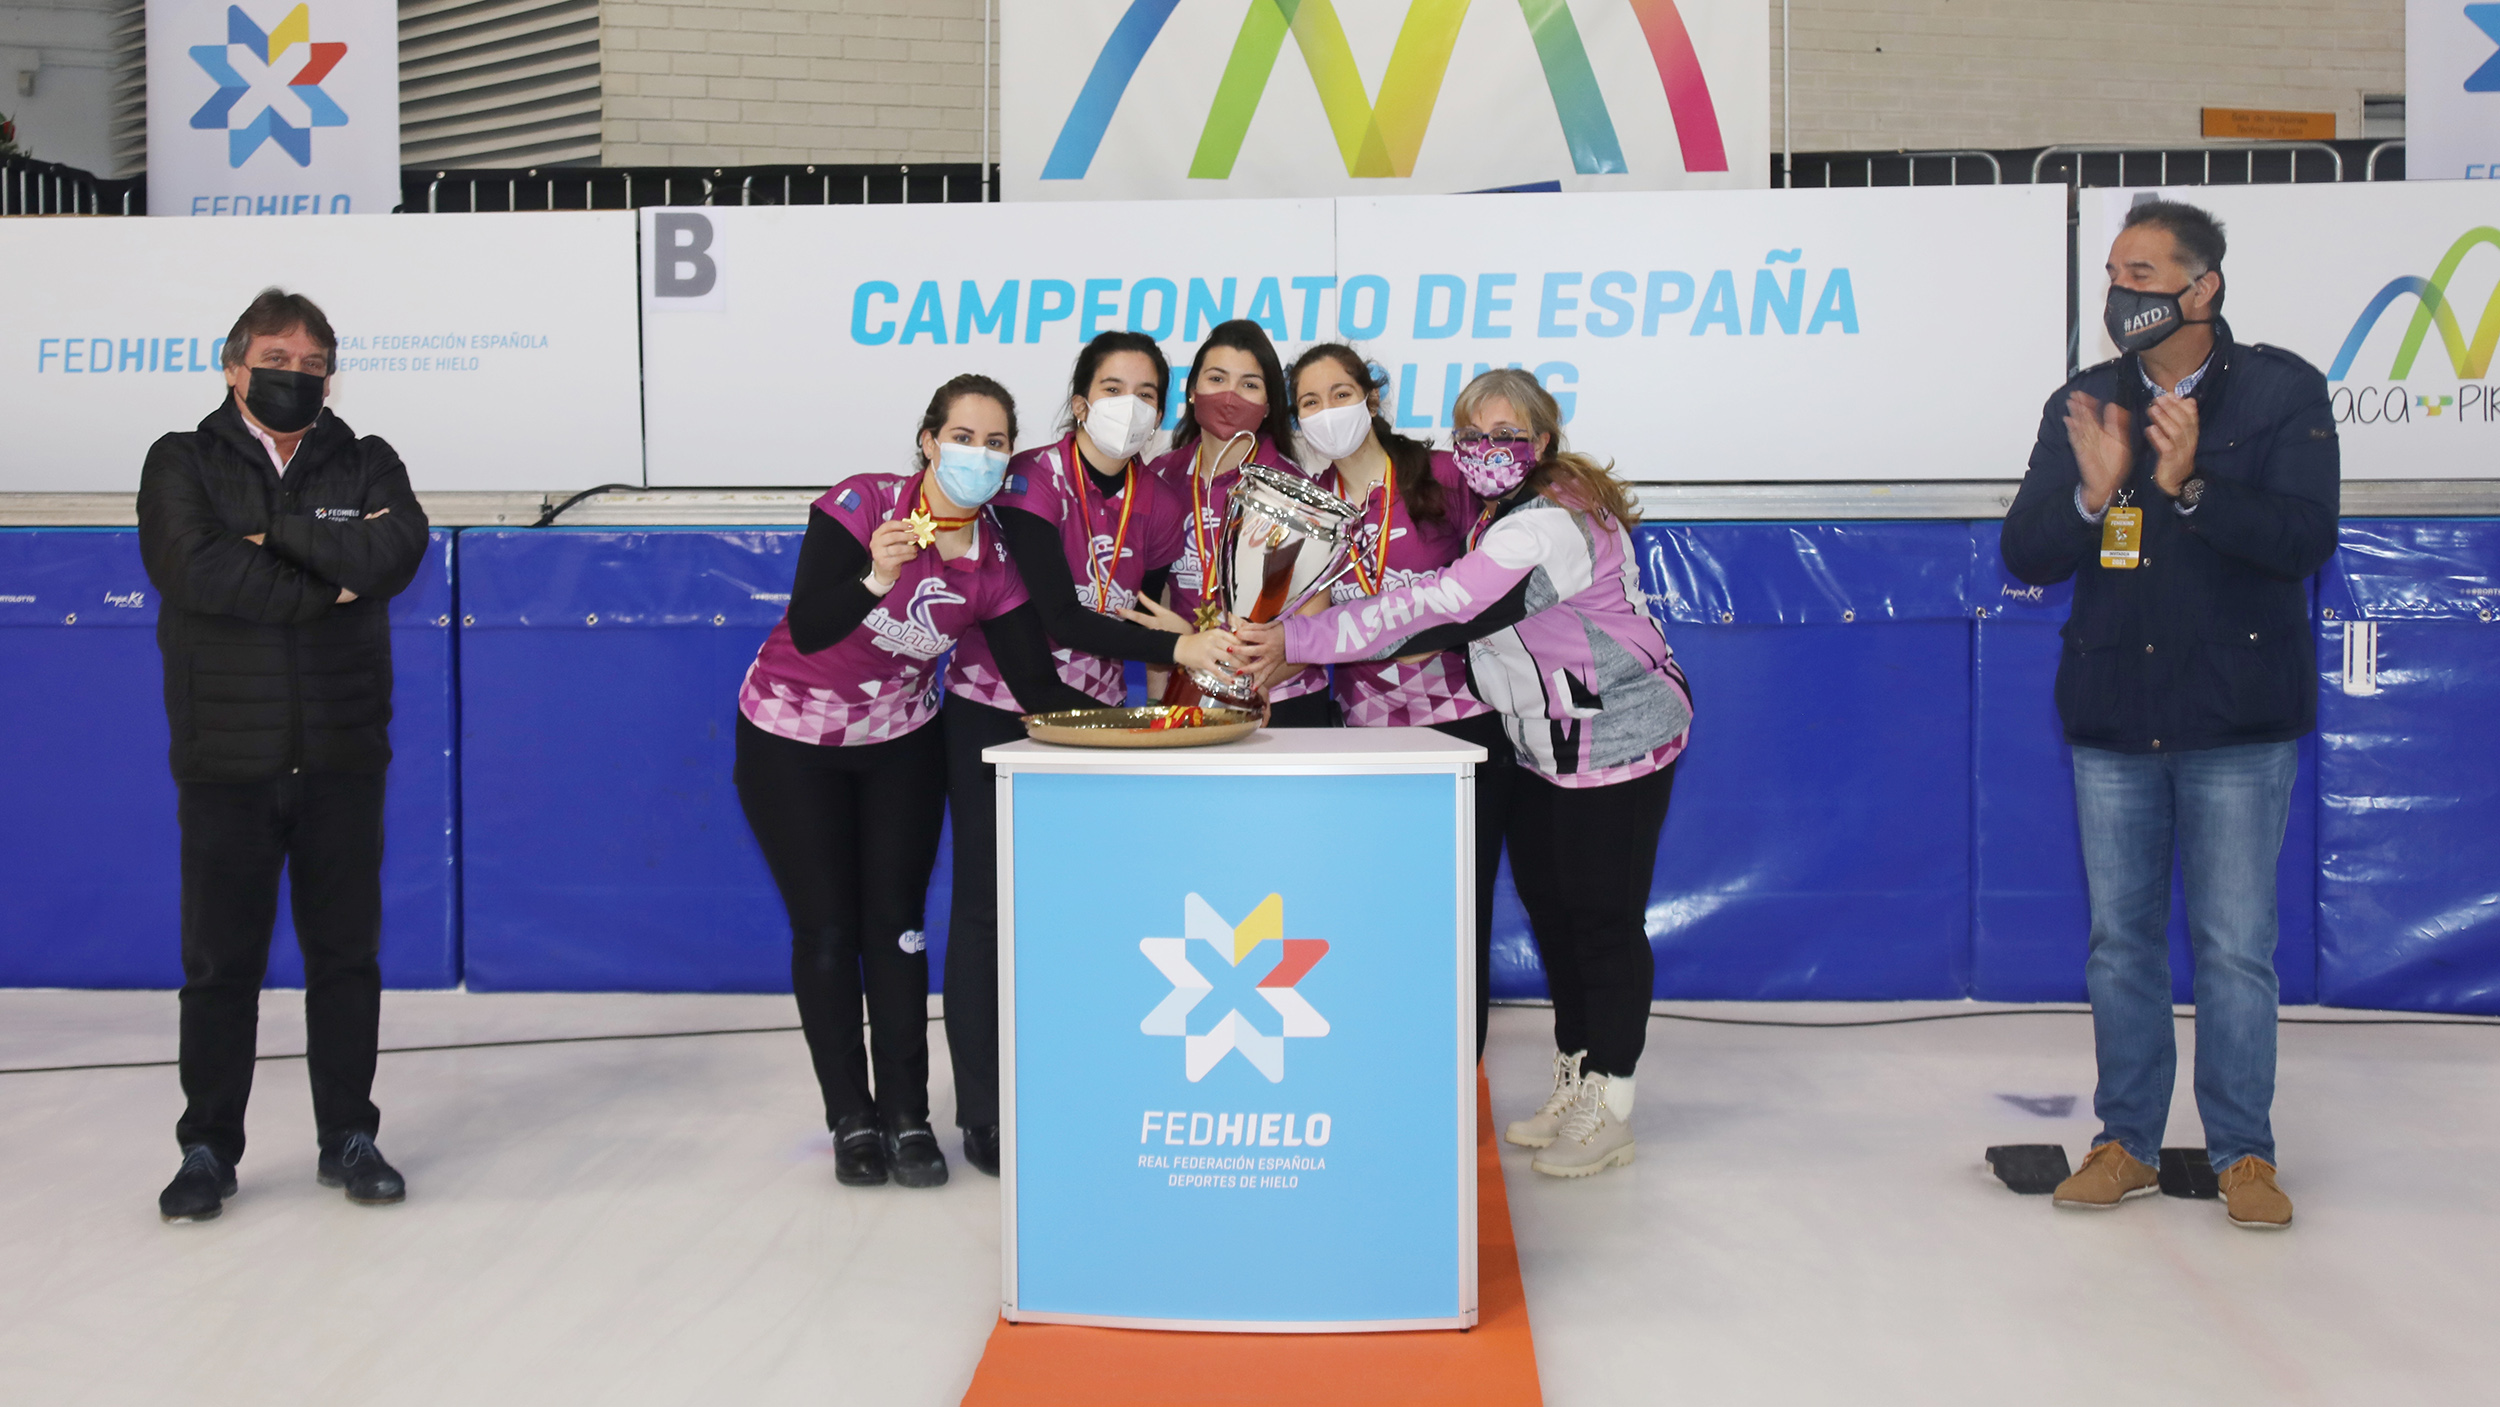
1379, 578
1094, 571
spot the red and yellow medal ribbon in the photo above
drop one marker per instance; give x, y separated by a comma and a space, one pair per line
1379, 577
1094, 570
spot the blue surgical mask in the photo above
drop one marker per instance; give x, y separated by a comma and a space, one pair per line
970, 474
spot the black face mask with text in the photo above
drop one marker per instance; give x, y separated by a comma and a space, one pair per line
285, 401
2139, 320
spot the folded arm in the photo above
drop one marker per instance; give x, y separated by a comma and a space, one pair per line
200, 564
376, 555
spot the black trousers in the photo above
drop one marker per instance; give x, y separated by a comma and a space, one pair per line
972, 928
1582, 860
1493, 789
323, 830
851, 834
1314, 710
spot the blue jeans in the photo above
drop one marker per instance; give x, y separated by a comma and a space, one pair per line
2225, 808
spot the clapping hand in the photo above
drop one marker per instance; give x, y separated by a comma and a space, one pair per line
2171, 430
2099, 435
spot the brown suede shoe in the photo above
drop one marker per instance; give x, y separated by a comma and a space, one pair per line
2108, 1176
2252, 1199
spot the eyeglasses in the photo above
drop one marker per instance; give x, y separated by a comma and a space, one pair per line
1507, 439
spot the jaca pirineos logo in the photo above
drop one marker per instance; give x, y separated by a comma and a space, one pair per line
268, 85
1381, 139
2473, 399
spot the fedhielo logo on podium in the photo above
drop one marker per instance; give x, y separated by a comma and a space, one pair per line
1232, 944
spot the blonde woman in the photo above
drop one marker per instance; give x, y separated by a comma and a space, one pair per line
1560, 642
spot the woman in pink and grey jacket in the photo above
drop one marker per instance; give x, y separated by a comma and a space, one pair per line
1416, 512
841, 770
1560, 641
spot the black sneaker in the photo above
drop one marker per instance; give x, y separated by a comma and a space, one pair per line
981, 1148
355, 1164
912, 1150
859, 1152
199, 1189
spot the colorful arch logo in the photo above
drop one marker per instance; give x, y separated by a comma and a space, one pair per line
268, 125
2470, 359
1381, 140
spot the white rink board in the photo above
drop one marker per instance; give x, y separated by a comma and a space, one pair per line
1886, 334
803, 362
822, 330
492, 351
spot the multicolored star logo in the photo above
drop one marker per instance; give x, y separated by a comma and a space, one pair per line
268, 124
1233, 1031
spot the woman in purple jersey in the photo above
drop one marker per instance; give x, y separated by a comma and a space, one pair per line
1416, 511
1239, 412
1091, 533
1560, 642
843, 777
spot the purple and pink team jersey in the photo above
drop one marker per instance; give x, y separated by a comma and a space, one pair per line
880, 681
1207, 501
1394, 693
1108, 563
1586, 683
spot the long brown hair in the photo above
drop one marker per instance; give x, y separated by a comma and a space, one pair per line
1572, 480
1413, 458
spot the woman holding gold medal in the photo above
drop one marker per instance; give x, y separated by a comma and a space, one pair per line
1090, 532
842, 771
1561, 643
1416, 511
1238, 414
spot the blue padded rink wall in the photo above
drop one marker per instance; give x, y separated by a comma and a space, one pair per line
1877, 804
89, 852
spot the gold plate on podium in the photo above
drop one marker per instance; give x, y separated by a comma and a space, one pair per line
1140, 727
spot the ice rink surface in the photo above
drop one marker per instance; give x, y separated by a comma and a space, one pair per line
656, 1221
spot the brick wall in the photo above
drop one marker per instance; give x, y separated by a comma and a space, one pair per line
755, 81
1885, 74
750, 81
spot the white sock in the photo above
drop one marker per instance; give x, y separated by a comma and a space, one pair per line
1619, 1098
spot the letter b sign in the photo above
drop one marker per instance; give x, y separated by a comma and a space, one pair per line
685, 253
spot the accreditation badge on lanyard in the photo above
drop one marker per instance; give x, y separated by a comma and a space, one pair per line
2122, 535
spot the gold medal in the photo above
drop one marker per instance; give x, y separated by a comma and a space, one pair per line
923, 528
1208, 614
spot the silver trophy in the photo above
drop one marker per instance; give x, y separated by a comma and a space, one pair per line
1285, 540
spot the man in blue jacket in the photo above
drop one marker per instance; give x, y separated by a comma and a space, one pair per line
2189, 487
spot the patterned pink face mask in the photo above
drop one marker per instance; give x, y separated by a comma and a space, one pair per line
1493, 467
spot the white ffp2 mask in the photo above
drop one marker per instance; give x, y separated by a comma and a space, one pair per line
1119, 426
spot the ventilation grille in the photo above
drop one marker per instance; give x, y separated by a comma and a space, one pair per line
481, 83
498, 82
130, 89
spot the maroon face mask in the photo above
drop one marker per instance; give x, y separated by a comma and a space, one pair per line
1222, 415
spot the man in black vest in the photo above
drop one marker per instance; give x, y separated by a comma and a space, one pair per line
276, 537
2188, 487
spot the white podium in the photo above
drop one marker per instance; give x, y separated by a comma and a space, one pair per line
1237, 1020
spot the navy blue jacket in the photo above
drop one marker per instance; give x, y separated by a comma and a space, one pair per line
2207, 642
